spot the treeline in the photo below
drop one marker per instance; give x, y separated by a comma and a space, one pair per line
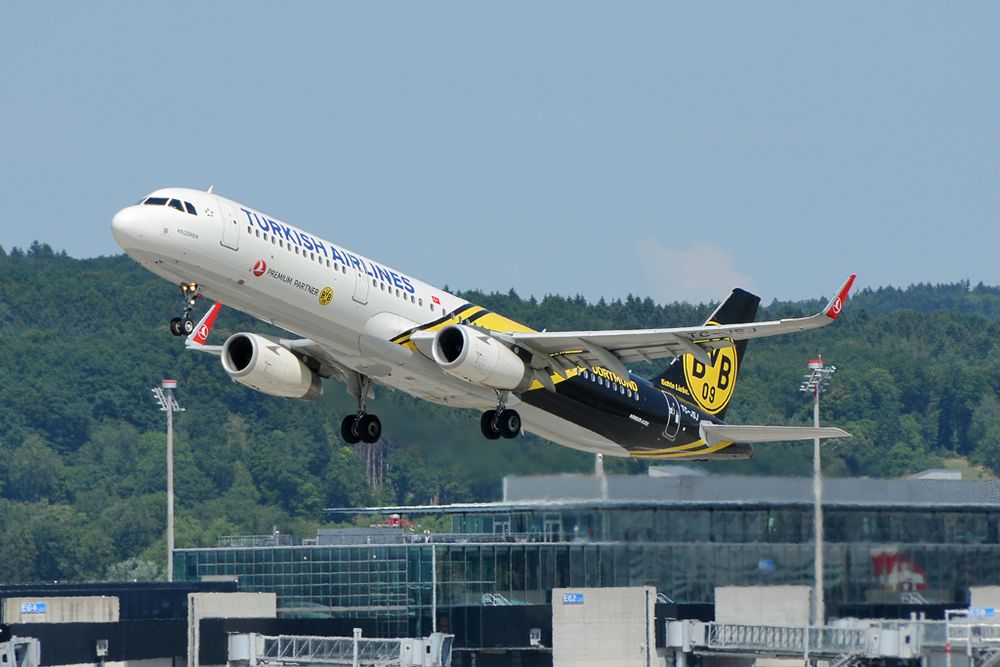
82, 441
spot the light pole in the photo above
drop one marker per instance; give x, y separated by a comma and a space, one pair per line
814, 382
165, 396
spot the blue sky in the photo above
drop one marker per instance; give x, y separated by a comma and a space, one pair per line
659, 149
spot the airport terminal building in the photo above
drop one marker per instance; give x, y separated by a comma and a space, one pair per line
903, 543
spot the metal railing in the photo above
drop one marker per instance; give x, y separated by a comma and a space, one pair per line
821, 641
254, 650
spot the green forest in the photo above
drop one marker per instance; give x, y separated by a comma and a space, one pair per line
82, 439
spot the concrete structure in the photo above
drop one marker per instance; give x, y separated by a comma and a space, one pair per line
103, 609
224, 605
604, 626
763, 605
985, 597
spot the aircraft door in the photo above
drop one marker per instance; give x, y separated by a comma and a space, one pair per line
673, 426
230, 226
361, 283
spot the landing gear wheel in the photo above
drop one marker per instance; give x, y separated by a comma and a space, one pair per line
490, 426
509, 423
349, 430
369, 428
184, 325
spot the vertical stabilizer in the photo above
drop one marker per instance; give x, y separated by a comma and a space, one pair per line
711, 387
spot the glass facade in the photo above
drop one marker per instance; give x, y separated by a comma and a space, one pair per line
508, 556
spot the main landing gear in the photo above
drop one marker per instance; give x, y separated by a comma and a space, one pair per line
184, 325
362, 427
502, 421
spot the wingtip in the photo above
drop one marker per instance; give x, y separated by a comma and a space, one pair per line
199, 337
836, 304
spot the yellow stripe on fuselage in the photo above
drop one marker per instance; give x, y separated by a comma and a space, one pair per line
478, 316
675, 453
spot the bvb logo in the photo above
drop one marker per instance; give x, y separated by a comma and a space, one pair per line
712, 386
326, 296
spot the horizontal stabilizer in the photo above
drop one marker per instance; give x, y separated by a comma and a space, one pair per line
714, 434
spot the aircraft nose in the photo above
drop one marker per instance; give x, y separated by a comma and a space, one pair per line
127, 227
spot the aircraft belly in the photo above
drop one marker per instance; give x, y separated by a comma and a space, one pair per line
608, 419
567, 433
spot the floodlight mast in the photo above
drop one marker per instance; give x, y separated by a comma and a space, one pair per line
814, 383
165, 396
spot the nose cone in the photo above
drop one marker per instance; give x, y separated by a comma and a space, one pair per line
127, 227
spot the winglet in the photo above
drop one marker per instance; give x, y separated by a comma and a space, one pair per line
199, 337
836, 304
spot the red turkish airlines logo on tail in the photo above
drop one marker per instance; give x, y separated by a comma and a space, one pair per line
205, 326
259, 268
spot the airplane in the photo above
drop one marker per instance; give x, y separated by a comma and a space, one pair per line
364, 323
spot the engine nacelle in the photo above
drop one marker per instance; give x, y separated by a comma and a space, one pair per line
268, 367
478, 358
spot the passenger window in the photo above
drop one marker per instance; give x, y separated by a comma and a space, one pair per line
296, 250
257, 232
190, 208
173, 203
156, 201
420, 302
328, 264
311, 255
281, 243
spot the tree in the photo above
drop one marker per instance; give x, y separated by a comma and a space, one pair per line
33, 471
133, 569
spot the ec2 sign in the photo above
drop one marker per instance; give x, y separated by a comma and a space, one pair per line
572, 598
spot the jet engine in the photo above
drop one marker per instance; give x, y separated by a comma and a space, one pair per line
478, 358
266, 366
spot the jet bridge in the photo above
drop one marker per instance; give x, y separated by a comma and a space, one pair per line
252, 650
961, 642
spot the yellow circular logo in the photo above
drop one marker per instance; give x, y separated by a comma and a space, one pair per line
326, 296
712, 386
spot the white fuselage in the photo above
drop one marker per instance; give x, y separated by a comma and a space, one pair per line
347, 303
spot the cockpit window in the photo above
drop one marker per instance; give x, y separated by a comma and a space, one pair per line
182, 206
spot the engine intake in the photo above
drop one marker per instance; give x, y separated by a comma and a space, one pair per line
267, 367
478, 358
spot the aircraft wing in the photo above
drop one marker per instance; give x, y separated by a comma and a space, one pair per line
329, 365
614, 349
714, 434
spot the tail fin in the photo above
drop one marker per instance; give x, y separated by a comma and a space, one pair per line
711, 387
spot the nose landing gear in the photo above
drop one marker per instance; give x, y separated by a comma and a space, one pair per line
184, 325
